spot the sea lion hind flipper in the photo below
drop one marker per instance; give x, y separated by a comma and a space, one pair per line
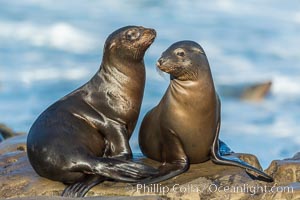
79, 189
235, 161
224, 149
220, 154
226, 152
116, 169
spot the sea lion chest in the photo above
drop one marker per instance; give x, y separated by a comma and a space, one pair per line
117, 95
192, 116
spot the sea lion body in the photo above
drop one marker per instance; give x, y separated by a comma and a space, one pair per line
83, 138
184, 127
176, 110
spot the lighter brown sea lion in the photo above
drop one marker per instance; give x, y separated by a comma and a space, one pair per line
184, 127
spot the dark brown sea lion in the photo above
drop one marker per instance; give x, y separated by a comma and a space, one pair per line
83, 138
184, 127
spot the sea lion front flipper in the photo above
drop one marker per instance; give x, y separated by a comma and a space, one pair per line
79, 189
176, 160
222, 157
116, 136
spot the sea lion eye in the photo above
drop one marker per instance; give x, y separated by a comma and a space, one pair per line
179, 52
132, 34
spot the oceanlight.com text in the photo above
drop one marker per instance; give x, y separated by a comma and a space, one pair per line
208, 188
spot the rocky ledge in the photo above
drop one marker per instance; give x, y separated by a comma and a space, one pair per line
202, 181
6, 132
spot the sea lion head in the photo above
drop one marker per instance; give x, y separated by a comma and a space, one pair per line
129, 43
183, 60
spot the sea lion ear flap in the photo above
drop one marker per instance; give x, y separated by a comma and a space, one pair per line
198, 50
112, 45
109, 46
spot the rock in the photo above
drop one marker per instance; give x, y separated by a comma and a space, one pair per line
285, 171
201, 181
148, 197
6, 132
13, 144
90, 198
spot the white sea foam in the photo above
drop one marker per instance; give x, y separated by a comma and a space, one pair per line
286, 85
60, 35
33, 75
52, 74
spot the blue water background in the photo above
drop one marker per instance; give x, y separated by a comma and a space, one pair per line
49, 48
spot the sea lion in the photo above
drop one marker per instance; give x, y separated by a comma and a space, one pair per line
252, 92
256, 92
184, 127
83, 138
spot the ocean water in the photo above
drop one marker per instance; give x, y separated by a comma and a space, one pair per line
48, 49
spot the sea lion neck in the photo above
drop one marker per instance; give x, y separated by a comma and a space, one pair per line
122, 75
181, 89
126, 66
186, 84
202, 79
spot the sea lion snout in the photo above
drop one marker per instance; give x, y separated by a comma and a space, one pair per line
149, 34
163, 66
160, 62
150, 31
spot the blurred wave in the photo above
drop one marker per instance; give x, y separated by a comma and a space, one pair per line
60, 36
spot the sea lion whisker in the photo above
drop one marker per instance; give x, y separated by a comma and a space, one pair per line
160, 72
